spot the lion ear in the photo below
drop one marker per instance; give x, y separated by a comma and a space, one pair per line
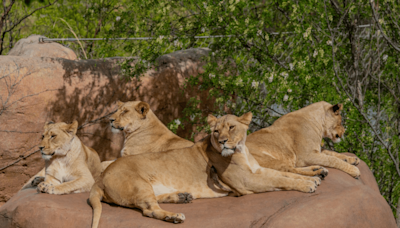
47, 124
246, 118
142, 108
72, 128
120, 103
211, 120
337, 108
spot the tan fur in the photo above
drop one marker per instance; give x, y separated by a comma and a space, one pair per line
70, 166
177, 176
293, 142
143, 131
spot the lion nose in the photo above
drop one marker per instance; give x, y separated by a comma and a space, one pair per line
223, 141
337, 136
41, 147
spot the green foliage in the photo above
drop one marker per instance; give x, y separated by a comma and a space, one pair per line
88, 19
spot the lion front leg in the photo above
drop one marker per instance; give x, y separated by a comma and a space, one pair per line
333, 162
272, 180
316, 179
81, 184
314, 170
349, 159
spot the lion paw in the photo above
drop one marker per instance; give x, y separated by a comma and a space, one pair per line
309, 187
45, 188
352, 160
355, 172
178, 218
36, 181
185, 197
317, 180
321, 172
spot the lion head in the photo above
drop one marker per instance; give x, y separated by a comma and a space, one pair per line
57, 139
229, 132
130, 116
333, 124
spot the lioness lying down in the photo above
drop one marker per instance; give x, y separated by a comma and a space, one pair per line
70, 166
143, 131
176, 176
293, 142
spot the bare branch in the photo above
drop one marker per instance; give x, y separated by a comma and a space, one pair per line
394, 45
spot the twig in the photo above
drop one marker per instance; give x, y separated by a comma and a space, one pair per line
380, 28
72, 31
18, 160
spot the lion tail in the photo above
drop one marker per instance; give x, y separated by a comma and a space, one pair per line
96, 195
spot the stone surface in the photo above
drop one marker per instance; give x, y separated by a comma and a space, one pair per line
30, 47
36, 90
340, 201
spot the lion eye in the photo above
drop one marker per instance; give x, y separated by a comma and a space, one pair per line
231, 127
42, 136
125, 111
215, 131
53, 136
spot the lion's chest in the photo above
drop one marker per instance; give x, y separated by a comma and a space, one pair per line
61, 172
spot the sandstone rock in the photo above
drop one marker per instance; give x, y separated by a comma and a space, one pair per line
340, 201
36, 90
30, 47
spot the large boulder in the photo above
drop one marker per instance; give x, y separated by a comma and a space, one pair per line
36, 90
340, 201
31, 47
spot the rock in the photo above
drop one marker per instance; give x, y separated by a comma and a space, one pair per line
58, 89
30, 47
340, 201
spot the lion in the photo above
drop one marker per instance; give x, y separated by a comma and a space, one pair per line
143, 131
70, 166
293, 142
181, 175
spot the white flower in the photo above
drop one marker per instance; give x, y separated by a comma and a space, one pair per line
161, 37
254, 84
315, 53
296, 83
203, 29
385, 57
211, 75
259, 33
118, 18
270, 79
178, 122
205, 5
284, 74
291, 66
329, 42
289, 90
213, 54
286, 97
